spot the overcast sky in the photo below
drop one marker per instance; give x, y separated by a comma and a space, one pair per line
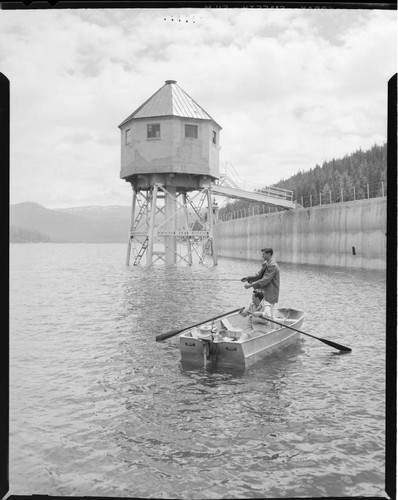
291, 88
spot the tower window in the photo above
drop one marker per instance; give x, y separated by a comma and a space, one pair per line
153, 131
214, 137
127, 136
191, 131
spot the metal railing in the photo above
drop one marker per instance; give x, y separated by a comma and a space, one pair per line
342, 195
317, 199
285, 194
229, 177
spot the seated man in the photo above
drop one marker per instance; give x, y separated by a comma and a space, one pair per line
256, 305
257, 311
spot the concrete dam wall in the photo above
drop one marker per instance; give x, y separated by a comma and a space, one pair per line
351, 234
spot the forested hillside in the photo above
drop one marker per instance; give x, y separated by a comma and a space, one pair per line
360, 175
22, 235
358, 169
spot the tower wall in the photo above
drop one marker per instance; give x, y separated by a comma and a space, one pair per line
172, 152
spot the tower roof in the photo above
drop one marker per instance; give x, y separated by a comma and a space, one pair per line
170, 100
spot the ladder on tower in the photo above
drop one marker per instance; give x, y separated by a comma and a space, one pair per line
206, 249
134, 227
139, 216
141, 252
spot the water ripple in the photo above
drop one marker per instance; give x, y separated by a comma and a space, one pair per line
97, 407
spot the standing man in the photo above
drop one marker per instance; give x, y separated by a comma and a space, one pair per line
267, 279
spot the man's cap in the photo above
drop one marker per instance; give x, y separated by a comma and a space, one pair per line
267, 250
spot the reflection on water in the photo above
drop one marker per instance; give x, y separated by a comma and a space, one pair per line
97, 407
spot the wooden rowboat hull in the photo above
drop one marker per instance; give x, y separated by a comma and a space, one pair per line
231, 351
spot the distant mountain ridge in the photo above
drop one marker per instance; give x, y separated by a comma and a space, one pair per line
91, 224
95, 209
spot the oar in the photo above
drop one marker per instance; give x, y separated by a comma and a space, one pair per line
172, 333
328, 342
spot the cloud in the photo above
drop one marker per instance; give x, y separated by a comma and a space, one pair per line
290, 87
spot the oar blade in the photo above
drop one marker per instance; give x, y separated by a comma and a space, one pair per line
336, 346
325, 341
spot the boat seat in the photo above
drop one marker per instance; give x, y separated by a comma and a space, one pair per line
226, 324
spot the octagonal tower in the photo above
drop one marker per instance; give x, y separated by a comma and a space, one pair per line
169, 148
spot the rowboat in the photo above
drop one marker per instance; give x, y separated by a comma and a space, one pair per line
235, 341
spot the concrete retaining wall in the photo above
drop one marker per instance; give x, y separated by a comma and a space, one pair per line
321, 235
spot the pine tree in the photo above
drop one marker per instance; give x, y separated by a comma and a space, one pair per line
360, 170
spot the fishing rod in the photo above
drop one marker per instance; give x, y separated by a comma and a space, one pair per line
204, 279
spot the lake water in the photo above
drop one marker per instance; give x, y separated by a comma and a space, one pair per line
97, 407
